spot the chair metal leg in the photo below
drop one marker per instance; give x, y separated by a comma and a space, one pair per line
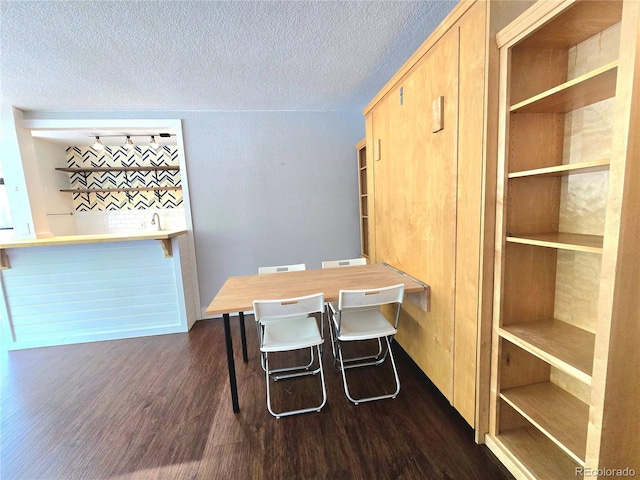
332, 337
369, 399
300, 370
302, 410
293, 369
374, 359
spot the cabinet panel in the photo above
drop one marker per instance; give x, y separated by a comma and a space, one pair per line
432, 197
471, 214
415, 202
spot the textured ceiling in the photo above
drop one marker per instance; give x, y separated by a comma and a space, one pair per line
206, 55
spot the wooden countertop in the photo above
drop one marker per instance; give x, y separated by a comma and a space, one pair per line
96, 238
163, 236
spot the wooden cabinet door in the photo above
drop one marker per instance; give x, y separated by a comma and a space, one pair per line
415, 201
475, 219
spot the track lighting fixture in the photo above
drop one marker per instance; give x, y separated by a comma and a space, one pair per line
97, 145
128, 144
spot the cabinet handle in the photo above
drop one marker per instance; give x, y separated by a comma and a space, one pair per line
438, 114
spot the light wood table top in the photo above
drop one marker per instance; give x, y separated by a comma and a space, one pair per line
238, 293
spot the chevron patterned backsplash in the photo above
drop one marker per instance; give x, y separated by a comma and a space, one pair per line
87, 157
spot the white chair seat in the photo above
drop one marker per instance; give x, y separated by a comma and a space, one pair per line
364, 324
292, 333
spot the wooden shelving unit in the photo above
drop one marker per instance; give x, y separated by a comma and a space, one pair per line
566, 84
361, 152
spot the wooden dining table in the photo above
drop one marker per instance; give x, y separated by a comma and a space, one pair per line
238, 293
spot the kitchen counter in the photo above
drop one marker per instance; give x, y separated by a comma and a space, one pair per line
163, 236
83, 288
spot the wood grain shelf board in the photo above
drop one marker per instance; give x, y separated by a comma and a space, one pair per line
557, 414
579, 92
564, 170
576, 24
565, 241
533, 453
560, 344
117, 169
107, 190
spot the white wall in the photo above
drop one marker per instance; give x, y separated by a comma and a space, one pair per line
58, 205
265, 188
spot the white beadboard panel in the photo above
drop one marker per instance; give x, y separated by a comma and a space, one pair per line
77, 293
41, 311
58, 294
54, 331
186, 268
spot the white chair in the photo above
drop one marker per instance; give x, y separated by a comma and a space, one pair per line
290, 324
333, 306
344, 263
282, 268
359, 318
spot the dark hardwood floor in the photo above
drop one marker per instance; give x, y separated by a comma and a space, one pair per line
159, 408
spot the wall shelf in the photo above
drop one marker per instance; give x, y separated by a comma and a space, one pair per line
88, 171
560, 344
107, 190
560, 416
579, 92
532, 452
564, 170
116, 169
564, 241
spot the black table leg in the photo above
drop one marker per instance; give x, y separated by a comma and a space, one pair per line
243, 336
231, 364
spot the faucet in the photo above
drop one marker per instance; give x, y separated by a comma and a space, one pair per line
155, 220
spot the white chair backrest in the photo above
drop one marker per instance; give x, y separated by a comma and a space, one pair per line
370, 297
344, 263
288, 307
282, 268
